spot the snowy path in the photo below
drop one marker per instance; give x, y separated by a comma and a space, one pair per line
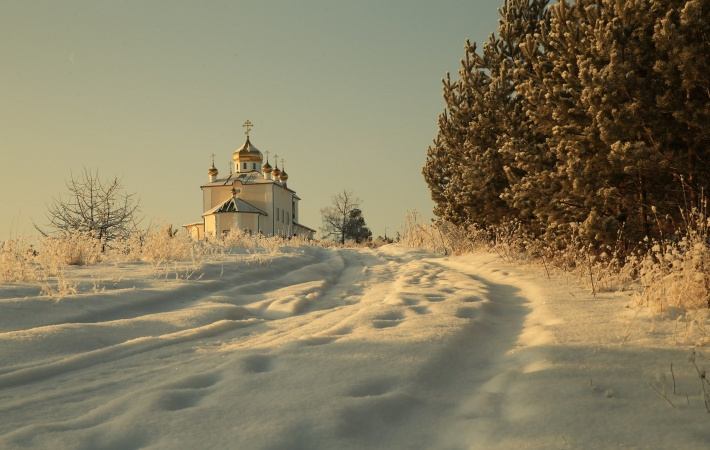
318, 348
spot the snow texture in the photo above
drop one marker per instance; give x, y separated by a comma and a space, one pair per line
319, 348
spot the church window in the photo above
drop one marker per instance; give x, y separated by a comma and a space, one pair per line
245, 166
253, 166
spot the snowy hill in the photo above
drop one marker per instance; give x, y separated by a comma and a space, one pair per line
318, 348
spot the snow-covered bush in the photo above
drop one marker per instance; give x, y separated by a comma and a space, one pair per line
237, 238
159, 246
676, 272
441, 237
17, 260
69, 249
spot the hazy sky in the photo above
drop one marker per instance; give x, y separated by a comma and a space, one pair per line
347, 92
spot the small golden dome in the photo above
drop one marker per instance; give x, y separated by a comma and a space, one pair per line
284, 175
276, 172
248, 152
267, 167
213, 171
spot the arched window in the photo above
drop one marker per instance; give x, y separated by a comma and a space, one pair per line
253, 166
245, 166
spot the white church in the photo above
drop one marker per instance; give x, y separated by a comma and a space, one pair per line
254, 197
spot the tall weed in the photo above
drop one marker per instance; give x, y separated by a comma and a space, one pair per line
17, 260
676, 272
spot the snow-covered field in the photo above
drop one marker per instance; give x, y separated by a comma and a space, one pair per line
317, 348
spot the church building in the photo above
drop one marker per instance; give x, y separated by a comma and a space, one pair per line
254, 197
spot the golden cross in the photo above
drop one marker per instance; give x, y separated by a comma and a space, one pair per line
248, 125
276, 158
213, 155
267, 155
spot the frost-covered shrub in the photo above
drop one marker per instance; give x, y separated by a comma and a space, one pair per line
238, 238
127, 249
75, 249
17, 260
442, 237
418, 234
677, 273
158, 245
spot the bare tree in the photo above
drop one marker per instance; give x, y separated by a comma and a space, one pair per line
336, 217
101, 208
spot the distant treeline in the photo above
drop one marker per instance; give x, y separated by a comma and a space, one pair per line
588, 118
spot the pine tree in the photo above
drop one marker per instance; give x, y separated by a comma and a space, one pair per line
356, 228
682, 38
586, 117
468, 169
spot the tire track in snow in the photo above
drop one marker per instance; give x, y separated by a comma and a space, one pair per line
122, 350
313, 323
281, 274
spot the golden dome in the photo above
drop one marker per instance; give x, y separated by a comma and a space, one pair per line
213, 171
284, 175
267, 167
276, 172
248, 152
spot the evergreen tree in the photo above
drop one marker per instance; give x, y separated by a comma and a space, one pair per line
681, 35
356, 228
585, 117
468, 169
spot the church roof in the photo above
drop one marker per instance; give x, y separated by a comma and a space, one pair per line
303, 226
246, 178
235, 205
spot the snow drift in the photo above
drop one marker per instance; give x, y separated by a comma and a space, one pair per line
341, 348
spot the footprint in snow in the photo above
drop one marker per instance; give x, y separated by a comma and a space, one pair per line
257, 363
318, 340
372, 388
388, 320
177, 400
466, 312
199, 381
187, 392
420, 309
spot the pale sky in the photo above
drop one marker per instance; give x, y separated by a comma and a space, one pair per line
347, 92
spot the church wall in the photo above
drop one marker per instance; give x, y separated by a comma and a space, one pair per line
226, 222
206, 199
210, 225
283, 215
249, 222
196, 230
267, 224
254, 194
220, 195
